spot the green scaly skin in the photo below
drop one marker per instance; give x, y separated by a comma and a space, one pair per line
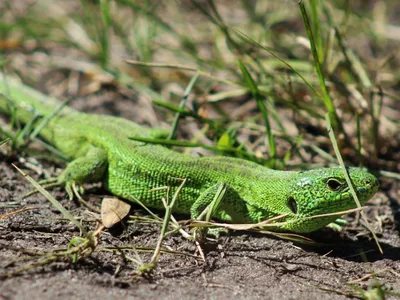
101, 151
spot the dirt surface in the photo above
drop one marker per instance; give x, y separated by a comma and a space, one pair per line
239, 265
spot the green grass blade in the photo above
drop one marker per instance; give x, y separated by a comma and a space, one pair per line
325, 94
252, 86
182, 105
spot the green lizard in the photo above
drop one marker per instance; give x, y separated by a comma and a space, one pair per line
101, 150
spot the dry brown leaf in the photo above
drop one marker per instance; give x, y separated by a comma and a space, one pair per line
113, 211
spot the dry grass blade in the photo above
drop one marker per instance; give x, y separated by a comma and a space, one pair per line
19, 211
52, 200
2, 143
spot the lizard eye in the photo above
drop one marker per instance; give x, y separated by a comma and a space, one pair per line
292, 204
334, 185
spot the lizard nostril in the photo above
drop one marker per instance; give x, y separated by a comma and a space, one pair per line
367, 181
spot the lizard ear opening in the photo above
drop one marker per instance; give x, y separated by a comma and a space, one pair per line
292, 204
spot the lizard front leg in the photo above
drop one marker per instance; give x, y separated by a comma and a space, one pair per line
209, 199
88, 168
219, 201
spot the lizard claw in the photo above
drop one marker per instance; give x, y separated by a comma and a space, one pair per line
74, 189
337, 225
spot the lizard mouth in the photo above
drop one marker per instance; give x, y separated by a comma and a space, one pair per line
369, 189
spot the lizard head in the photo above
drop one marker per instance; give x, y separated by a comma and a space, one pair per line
324, 191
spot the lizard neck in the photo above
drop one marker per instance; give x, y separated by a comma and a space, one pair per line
259, 186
